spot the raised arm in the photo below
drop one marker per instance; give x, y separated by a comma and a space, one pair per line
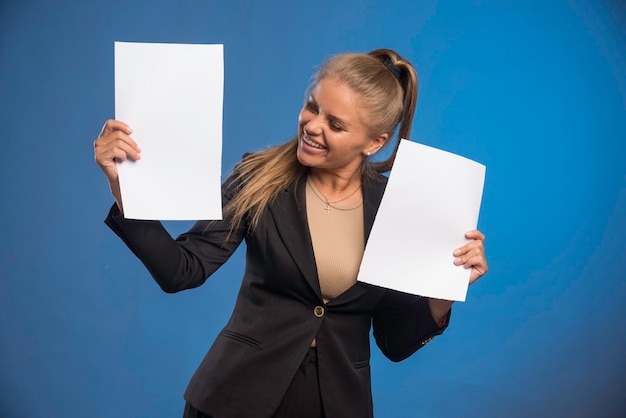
175, 264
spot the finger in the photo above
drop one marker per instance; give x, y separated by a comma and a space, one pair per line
119, 140
117, 149
478, 269
108, 162
475, 234
477, 262
464, 257
114, 136
113, 125
113, 157
469, 247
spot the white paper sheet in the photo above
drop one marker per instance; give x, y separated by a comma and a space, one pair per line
171, 95
432, 198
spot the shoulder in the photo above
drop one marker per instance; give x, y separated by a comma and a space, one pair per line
373, 187
374, 180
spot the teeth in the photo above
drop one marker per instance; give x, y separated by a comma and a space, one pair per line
306, 139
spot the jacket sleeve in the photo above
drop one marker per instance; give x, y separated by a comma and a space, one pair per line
187, 261
403, 324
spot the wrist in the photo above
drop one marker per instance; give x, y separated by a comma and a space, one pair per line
439, 309
114, 186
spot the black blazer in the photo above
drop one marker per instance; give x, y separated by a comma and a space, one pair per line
279, 310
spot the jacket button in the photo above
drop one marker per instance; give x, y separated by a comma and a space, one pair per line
318, 311
426, 341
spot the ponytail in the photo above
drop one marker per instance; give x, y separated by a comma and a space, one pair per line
404, 73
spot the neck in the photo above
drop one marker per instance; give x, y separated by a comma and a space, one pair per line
335, 186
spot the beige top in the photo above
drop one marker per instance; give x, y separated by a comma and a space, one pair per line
338, 241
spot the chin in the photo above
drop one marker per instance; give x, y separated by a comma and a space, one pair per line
302, 158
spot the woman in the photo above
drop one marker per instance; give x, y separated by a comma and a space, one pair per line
297, 343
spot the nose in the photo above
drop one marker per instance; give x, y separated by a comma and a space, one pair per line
313, 127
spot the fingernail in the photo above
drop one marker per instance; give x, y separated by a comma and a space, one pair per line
457, 252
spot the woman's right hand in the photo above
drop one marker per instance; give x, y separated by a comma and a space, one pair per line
114, 144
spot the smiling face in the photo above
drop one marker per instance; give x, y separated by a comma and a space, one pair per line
332, 133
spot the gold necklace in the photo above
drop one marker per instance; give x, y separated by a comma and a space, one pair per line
323, 198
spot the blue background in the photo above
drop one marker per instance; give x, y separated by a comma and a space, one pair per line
536, 90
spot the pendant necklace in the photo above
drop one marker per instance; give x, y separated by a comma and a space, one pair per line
325, 200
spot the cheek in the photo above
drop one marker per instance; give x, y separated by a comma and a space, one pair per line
346, 147
303, 116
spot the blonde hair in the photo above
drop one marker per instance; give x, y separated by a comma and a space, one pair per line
388, 85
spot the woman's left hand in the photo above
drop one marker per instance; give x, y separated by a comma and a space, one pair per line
472, 255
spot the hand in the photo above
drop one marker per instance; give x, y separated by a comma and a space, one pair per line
472, 255
114, 144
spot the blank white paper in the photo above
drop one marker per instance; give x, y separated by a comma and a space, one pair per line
432, 198
171, 95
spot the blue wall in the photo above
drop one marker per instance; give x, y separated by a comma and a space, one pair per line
535, 90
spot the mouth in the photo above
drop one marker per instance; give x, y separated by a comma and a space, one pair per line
309, 142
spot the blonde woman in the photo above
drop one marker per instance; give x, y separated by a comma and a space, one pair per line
297, 343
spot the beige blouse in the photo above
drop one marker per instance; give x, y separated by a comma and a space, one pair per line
338, 241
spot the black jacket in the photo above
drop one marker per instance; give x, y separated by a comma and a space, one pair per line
279, 310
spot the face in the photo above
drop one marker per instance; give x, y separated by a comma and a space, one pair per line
332, 135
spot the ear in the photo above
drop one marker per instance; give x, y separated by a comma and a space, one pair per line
376, 144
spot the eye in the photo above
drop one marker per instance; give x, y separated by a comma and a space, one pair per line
311, 106
335, 126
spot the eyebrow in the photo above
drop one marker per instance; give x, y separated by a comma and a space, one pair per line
332, 118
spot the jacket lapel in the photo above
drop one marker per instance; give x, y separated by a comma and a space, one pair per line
291, 223
290, 218
373, 190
